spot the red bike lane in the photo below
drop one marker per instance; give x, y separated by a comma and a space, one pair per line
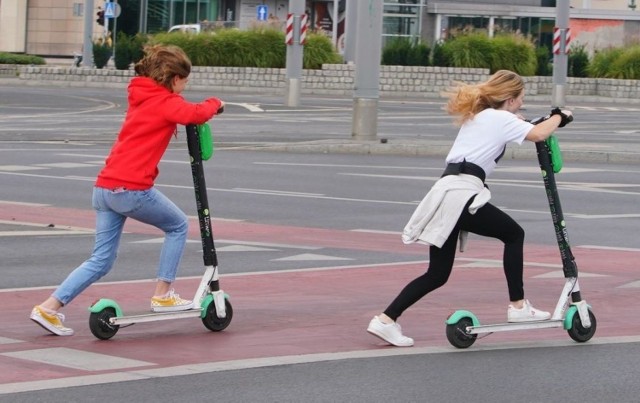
299, 312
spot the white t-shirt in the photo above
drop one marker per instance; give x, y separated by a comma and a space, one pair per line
481, 140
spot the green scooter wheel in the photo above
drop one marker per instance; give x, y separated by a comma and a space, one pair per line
100, 326
578, 332
457, 333
211, 320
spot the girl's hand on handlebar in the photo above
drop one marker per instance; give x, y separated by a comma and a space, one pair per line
566, 116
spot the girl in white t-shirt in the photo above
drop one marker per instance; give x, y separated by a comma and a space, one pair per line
459, 202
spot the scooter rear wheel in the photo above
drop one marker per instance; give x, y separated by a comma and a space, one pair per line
578, 332
211, 320
457, 333
100, 326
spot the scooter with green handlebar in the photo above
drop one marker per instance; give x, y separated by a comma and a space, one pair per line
571, 313
210, 303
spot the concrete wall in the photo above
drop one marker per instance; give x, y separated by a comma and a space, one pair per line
13, 25
332, 79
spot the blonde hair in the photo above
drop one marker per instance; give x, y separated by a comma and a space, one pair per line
466, 100
162, 63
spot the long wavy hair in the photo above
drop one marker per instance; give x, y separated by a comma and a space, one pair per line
162, 63
467, 100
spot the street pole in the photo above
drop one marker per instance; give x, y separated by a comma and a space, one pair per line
367, 74
350, 31
87, 43
560, 59
294, 56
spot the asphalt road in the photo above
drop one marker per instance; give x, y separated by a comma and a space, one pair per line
53, 142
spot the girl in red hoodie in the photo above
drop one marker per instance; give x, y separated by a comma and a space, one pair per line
124, 187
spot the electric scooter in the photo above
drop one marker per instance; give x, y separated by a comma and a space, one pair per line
576, 317
210, 303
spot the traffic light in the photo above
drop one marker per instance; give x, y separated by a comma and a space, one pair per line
100, 19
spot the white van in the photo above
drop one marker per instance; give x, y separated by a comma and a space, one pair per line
188, 28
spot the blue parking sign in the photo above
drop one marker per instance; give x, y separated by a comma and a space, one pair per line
262, 12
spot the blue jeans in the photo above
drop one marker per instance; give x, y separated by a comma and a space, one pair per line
112, 208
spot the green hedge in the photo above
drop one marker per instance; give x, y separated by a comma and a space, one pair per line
403, 52
620, 63
257, 47
13, 58
477, 50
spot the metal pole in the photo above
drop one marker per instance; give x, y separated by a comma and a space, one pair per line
350, 31
334, 25
87, 43
115, 19
367, 74
560, 61
294, 56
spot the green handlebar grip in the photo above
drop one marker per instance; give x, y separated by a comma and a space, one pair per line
206, 141
554, 152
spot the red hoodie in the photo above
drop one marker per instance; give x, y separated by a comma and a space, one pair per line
152, 118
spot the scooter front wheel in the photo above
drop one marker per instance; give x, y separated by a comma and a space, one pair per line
457, 333
578, 332
100, 326
211, 320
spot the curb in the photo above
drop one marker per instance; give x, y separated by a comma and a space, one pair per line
413, 148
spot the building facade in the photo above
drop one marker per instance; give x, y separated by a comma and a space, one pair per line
55, 27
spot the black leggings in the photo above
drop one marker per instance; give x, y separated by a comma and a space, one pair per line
488, 221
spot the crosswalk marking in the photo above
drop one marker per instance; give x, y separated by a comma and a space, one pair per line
633, 284
17, 168
65, 165
77, 359
6, 340
309, 256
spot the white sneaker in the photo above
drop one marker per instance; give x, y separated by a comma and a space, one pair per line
526, 314
391, 333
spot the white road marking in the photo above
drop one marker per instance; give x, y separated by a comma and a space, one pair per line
307, 257
6, 340
77, 359
633, 284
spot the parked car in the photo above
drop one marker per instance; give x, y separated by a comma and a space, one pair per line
188, 28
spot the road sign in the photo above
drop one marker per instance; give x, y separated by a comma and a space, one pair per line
262, 12
109, 10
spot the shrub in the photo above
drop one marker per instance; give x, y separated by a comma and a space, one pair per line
438, 55
122, 53
544, 65
602, 60
578, 61
469, 50
101, 53
12, 58
403, 52
261, 46
513, 52
477, 50
627, 65
129, 50
319, 50
136, 47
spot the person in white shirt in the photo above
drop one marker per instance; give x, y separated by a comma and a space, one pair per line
458, 203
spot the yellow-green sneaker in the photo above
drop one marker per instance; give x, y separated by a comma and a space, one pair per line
51, 322
170, 302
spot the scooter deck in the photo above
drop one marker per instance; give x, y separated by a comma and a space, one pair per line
155, 316
503, 327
